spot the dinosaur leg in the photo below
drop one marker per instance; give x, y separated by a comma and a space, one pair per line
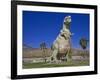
54, 56
68, 56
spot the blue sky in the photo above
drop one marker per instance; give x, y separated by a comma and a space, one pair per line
45, 26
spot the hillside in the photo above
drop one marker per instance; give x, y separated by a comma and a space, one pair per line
29, 52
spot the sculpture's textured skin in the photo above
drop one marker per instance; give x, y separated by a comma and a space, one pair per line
62, 44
